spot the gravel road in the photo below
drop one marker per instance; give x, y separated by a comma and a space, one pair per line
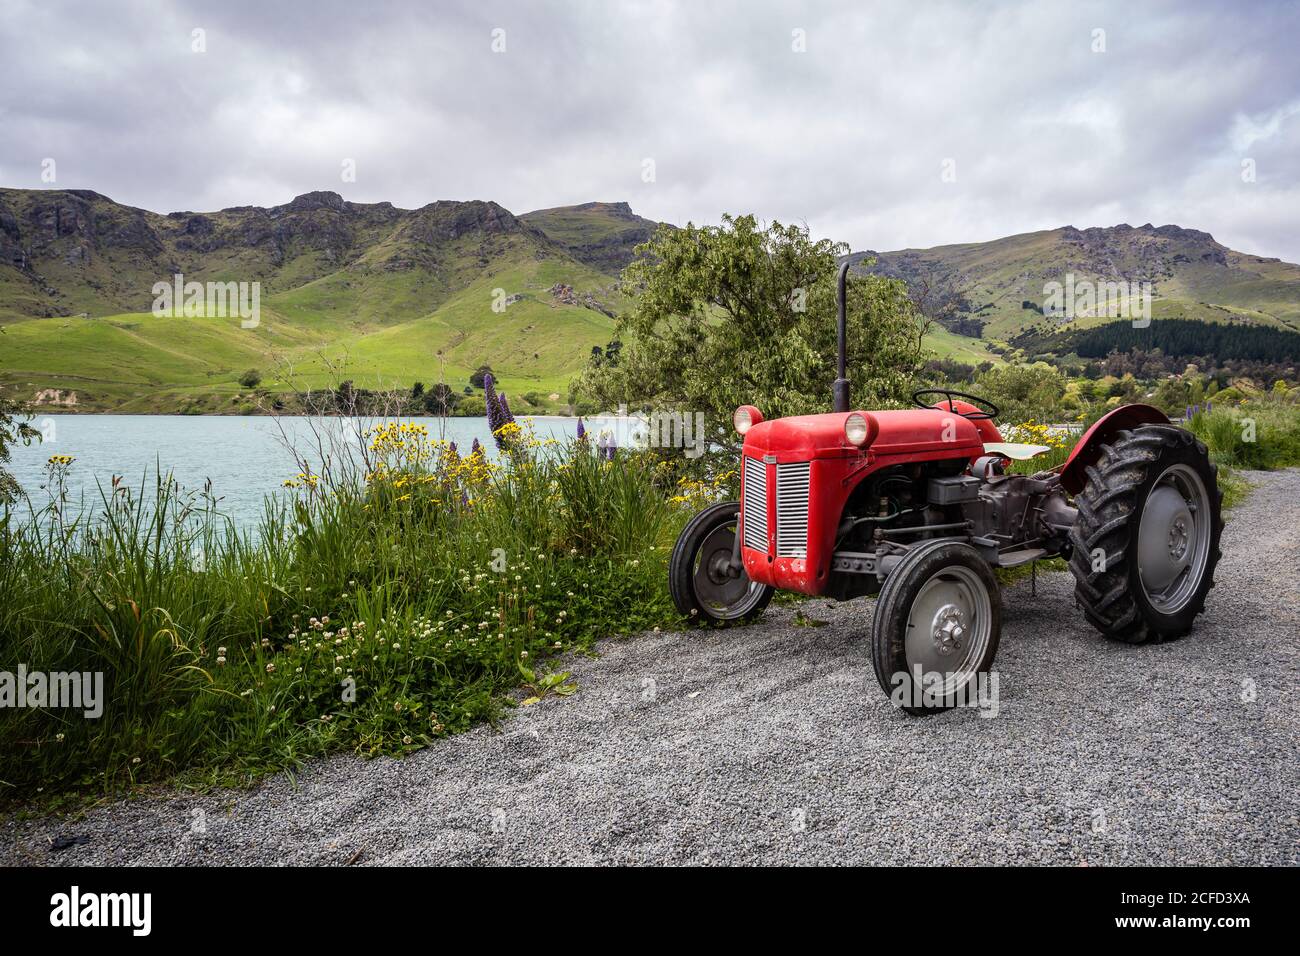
772, 744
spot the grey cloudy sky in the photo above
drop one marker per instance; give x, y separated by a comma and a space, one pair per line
850, 135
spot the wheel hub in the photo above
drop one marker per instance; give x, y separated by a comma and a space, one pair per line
1178, 538
719, 583
1174, 538
948, 629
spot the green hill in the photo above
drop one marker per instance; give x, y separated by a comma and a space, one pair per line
601, 234
387, 297
997, 289
379, 295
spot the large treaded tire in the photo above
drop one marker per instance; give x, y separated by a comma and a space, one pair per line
1110, 513
683, 564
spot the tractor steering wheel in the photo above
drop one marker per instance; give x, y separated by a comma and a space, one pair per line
918, 399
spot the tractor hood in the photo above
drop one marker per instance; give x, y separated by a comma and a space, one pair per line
804, 437
895, 432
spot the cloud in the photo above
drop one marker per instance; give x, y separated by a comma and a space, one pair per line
1042, 126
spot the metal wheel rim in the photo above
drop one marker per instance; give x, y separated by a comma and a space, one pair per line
1174, 538
726, 598
953, 597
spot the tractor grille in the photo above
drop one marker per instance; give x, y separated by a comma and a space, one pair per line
792, 509
754, 513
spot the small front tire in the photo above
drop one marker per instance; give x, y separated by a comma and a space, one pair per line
700, 577
939, 617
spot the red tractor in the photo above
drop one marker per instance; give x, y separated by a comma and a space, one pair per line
917, 506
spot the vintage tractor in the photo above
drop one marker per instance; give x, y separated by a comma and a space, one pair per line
918, 506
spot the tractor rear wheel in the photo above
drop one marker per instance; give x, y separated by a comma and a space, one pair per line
701, 580
1145, 544
936, 628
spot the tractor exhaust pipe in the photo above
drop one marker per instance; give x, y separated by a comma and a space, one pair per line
840, 390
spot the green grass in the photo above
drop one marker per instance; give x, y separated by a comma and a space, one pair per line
960, 348
1262, 433
433, 593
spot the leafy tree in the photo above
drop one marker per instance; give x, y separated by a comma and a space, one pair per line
739, 314
441, 399
417, 391
251, 379
345, 397
1023, 393
13, 430
477, 378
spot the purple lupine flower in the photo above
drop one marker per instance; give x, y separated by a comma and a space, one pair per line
611, 447
494, 419
476, 448
1209, 407
464, 499
452, 448
582, 431
506, 417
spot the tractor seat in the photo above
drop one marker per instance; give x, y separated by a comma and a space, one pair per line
1014, 450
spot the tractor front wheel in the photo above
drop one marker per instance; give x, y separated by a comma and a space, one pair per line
1146, 541
936, 629
704, 583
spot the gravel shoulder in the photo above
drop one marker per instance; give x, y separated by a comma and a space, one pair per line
773, 745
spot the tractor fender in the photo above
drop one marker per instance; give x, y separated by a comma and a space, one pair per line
1088, 448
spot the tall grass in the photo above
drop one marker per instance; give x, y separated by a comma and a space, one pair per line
1261, 433
373, 615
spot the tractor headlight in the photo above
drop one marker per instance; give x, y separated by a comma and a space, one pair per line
855, 429
745, 418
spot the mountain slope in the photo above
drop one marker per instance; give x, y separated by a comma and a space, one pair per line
388, 297
984, 285
382, 295
601, 234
